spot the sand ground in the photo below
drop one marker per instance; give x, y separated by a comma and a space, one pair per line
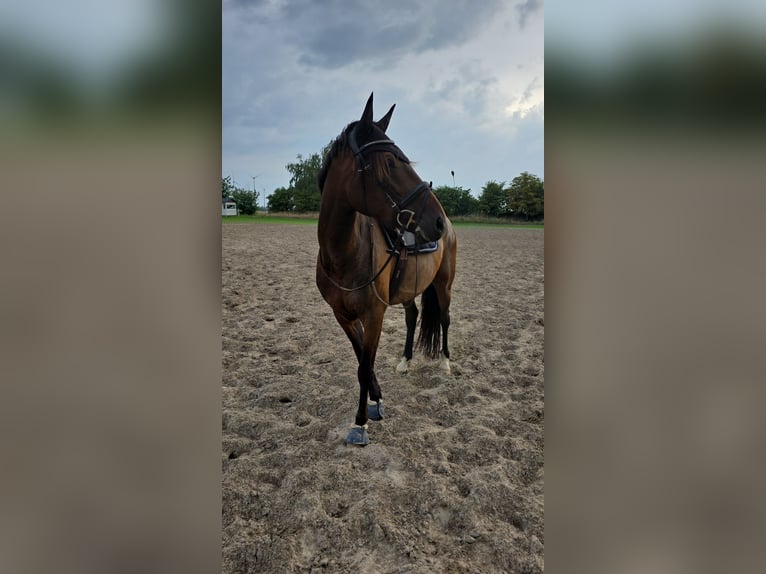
453, 478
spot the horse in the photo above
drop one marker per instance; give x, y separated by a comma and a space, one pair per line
384, 239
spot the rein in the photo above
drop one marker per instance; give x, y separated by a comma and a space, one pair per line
368, 283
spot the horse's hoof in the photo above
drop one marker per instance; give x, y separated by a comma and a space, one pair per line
357, 436
444, 365
403, 366
375, 411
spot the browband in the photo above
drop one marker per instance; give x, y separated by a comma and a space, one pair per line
387, 143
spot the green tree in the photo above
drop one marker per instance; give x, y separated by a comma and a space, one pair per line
493, 200
526, 196
227, 187
303, 182
456, 200
281, 200
246, 200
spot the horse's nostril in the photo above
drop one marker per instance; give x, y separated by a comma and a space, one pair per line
439, 224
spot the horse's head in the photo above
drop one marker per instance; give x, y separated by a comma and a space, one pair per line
387, 188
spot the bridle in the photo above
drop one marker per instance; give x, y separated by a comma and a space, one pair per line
364, 165
399, 207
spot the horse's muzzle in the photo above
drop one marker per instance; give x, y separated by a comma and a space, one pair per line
430, 234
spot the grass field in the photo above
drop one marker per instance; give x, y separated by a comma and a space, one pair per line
261, 218
311, 218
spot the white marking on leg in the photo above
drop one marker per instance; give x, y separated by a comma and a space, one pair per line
444, 364
403, 365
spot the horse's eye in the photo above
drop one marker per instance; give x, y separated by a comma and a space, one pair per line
390, 162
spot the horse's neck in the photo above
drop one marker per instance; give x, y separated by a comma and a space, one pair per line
340, 236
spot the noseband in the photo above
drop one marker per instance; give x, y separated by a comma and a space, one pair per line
400, 207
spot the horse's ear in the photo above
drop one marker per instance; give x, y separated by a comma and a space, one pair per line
366, 120
382, 123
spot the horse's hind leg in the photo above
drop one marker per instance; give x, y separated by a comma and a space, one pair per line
411, 319
443, 287
445, 321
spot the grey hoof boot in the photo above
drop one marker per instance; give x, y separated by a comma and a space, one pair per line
375, 411
357, 436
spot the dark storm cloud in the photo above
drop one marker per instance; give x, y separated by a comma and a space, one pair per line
295, 71
340, 44
470, 88
336, 33
526, 9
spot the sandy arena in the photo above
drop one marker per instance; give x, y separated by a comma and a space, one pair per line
452, 480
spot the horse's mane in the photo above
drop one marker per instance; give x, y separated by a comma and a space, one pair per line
341, 143
338, 145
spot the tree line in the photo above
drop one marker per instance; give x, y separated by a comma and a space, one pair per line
246, 200
522, 198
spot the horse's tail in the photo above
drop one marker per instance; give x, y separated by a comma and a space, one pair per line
429, 338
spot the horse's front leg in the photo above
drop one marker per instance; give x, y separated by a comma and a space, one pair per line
366, 373
368, 382
375, 406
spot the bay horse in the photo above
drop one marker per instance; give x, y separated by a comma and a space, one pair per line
384, 239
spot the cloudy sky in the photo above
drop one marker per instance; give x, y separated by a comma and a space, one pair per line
466, 77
